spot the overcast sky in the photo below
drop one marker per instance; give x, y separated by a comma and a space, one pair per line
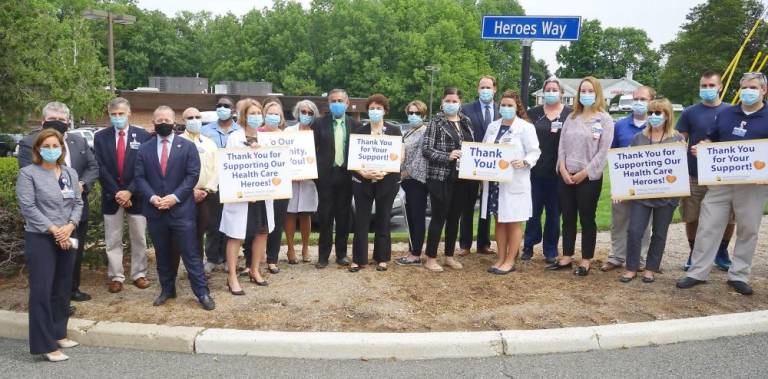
661, 19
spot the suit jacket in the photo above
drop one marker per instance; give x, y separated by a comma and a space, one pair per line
475, 113
182, 173
325, 147
80, 157
440, 139
391, 178
105, 146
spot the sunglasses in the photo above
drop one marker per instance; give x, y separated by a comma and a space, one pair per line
657, 113
193, 117
413, 113
225, 105
307, 113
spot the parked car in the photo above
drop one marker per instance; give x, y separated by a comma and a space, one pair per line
208, 117
614, 108
7, 145
677, 107
86, 133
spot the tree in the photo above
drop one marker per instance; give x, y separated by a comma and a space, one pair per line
708, 40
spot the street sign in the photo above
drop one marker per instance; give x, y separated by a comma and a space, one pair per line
539, 28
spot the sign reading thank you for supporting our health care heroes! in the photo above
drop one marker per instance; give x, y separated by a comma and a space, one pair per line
649, 171
735, 162
554, 28
302, 147
248, 174
375, 152
489, 161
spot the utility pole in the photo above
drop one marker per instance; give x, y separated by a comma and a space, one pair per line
432, 70
122, 19
525, 74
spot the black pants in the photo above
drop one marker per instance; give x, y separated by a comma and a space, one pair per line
82, 235
168, 234
639, 215
416, 213
215, 241
335, 205
383, 193
448, 199
579, 200
467, 222
50, 282
274, 239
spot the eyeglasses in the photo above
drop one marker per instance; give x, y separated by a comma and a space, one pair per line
193, 117
417, 113
224, 105
657, 113
307, 113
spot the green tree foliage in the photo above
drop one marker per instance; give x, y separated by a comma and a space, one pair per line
709, 39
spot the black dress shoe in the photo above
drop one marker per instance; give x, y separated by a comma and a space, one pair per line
275, 270
740, 287
321, 264
353, 268
160, 300
688, 282
581, 271
527, 254
497, 271
343, 261
72, 310
550, 260
80, 296
627, 279
490, 270
557, 266
207, 302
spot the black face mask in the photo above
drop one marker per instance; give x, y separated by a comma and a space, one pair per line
164, 130
57, 125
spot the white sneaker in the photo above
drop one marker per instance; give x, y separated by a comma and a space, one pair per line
209, 267
56, 358
67, 343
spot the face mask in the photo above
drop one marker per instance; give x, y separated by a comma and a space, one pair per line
50, 154
655, 120
164, 130
551, 97
119, 122
254, 120
338, 109
451, 108
414, 119
749, 96
639, 108
223, 113
305, 119
708, 94
376, 115
194, 125
508, 113
587, 99
486, 95
59, 126
272, 120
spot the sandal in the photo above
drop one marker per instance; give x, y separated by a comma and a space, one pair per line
273, 269
648, 279
381, 267
353, 268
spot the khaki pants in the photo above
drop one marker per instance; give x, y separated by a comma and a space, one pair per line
113, 230
619, 229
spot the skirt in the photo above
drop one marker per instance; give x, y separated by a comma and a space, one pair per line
304, 198
257, 219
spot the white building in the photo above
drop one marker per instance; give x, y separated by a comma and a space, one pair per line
611, 88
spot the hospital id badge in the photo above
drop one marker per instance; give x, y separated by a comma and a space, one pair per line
68, 193
739, 131
556, 126
597, 131
134, 145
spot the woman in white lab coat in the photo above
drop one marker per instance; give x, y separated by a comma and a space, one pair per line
510, 202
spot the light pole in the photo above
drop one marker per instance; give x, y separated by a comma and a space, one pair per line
432, 70
122, 19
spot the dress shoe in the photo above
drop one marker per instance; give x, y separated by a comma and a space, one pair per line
627, 279
67, 343
236, 293
321, 264
549, 261
72, 310
485, 251
740, 287
688, 282
80, 296
556, 266
403, 261
61, 357
454, 264
115, 286
253, 279
342, 261
273, 270
649, 279
527, 254
581, 271
142, 283
381, 267
207, 302
160, 300
354, 268
498, 271
464, 252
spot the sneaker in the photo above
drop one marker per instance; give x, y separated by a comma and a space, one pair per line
209, 267
687, 264
740, 287
527, 253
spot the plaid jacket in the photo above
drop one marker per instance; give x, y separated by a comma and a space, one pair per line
440, 139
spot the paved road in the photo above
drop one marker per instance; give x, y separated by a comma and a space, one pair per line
742, 357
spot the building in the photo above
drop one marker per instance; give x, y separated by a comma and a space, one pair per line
611, 89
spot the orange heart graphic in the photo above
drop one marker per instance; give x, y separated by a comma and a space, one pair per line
631, 192
393, 157
310, 160
503, 164
671, 178
276, 181
759, 165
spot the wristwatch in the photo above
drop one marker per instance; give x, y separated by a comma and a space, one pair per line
73, 223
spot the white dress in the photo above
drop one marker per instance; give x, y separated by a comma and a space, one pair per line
305, 197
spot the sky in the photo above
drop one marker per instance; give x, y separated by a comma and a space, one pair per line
661, 19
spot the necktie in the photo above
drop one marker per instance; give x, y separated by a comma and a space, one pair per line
120, 155
487, 117
338, 138
164, 157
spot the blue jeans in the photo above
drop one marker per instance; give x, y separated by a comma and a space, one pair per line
544, 197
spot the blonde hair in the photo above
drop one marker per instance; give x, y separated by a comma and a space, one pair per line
665, 106
598, 106
279, 106
243, 116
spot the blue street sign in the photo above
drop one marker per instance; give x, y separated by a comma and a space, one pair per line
548, 28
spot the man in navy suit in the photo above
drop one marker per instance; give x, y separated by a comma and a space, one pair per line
115, 149
482, 112
167, 170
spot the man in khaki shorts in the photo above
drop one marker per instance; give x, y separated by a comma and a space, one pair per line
694, 123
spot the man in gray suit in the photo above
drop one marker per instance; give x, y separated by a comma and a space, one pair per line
79, 156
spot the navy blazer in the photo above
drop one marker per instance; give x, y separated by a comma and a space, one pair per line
180, 178
475, 113
105, 147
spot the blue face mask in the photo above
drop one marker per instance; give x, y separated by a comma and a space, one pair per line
305, 119
223, 113
414, 119
656, 121
486, 95
508, 113
338, 109
551, 97
50, 154
119, 122
194, 125
749, 96
640, 108
708, 94
254, 120
451, 108
376, 115
587, 99
272, 120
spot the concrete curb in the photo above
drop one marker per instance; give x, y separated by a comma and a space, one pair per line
410, 346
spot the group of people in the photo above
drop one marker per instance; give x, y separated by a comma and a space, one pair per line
166, 182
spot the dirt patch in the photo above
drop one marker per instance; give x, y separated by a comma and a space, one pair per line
302, 298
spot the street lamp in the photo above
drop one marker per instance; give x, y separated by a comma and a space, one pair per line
122, 19
432, 70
